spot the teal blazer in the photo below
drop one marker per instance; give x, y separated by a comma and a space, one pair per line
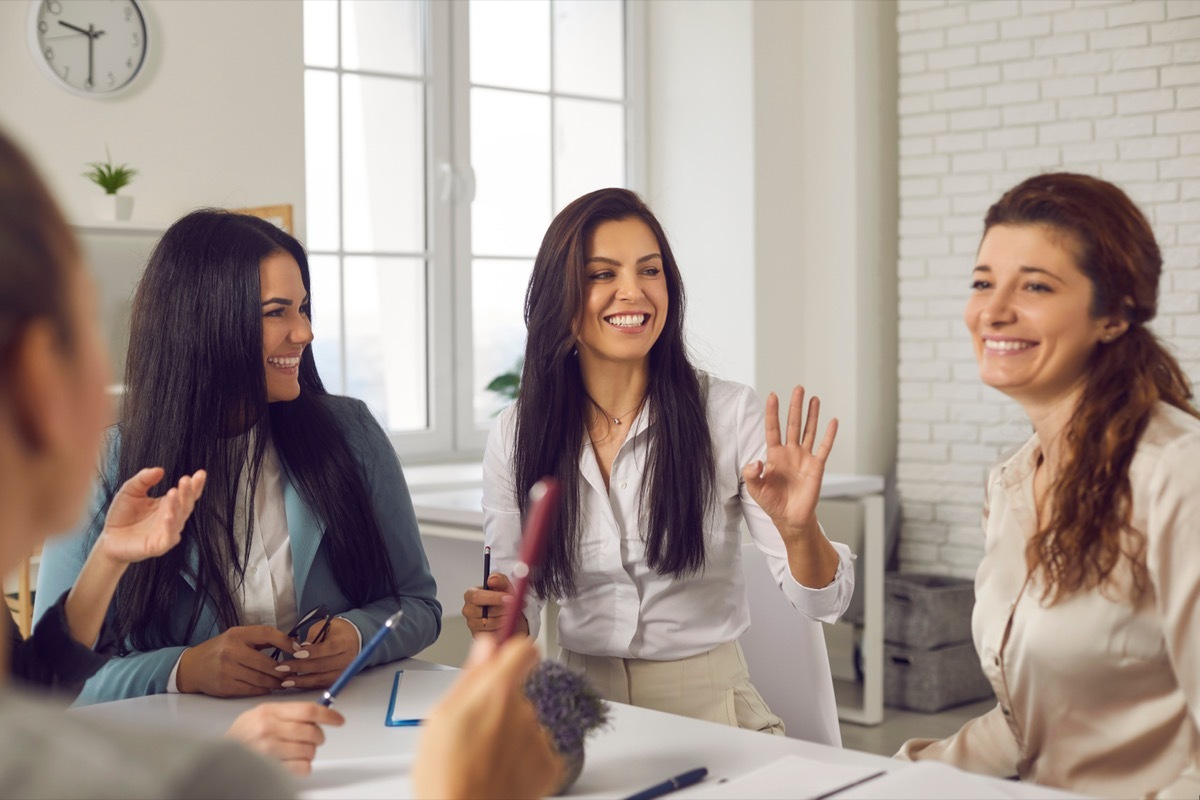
143, 673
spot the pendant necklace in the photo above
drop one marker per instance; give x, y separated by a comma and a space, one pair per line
617, 418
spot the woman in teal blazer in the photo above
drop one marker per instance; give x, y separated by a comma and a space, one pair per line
305, 506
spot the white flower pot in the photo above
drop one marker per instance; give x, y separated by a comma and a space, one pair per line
112, 207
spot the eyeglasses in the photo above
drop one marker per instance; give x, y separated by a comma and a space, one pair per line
305, 624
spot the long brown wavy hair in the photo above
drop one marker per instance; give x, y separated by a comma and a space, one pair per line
1089, 529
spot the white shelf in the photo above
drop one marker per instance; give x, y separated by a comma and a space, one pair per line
148, 228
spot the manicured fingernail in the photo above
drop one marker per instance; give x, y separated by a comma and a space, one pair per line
288, 684
507, 600
305, 644
295, 645
301, 654
283, 668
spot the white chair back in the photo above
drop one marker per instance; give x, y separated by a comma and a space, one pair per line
786, 654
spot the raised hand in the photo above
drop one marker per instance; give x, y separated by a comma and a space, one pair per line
483, 738
139, 526
788, 485
498, 599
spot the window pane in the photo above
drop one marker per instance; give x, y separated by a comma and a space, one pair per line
589, 48
510, 43
510, 145
589, 148
382, 37
326, 293
321, 159
383, 164
497, 316
386, 338
320, 33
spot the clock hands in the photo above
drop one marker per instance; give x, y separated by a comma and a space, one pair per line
75, 28
92, 35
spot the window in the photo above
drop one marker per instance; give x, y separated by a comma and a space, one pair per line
441, 138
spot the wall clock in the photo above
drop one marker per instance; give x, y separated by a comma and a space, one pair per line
90, 47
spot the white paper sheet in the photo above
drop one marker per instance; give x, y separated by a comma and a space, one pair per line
930, 780
417, 692
788, 777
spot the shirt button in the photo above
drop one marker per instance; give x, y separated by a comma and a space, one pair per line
1004, 709
623, 484
996, 660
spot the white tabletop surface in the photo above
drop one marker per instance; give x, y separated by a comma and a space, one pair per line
640, 748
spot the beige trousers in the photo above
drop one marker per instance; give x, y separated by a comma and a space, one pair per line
713, 686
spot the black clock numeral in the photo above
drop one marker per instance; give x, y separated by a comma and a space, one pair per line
111, 79
128, 13
129, 63
54, 7
42, 26
137, 40
66, 71
49, 51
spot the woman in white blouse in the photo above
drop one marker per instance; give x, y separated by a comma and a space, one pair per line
1085, 612
660, 465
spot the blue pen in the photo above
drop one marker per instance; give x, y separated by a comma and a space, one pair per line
360, 660
670, 785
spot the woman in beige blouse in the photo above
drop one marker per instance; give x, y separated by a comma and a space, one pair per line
1084, 615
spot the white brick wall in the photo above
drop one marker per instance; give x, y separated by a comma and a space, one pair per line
992, 91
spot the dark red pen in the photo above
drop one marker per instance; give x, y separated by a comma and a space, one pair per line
543, 503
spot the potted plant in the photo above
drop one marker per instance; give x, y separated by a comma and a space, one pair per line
569, 709
110, 178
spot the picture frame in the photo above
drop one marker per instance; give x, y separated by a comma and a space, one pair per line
279, 215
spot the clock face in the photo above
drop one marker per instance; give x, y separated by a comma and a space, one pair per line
92, 47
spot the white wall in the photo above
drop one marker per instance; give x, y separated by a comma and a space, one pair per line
991, 93
699, 167
825, 169
771, 162
216, 119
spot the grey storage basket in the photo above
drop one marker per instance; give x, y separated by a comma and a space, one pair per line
927, 611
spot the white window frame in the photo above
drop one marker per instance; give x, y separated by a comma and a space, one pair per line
449, 182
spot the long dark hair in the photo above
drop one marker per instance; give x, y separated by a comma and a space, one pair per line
1088, 531
194, 383
553, 407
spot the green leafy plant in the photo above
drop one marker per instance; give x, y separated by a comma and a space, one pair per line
108, 176
508, 384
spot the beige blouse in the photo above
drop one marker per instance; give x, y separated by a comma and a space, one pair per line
1095, 695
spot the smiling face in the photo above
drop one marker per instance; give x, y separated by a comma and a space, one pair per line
626, 303
1030, 314
286, 329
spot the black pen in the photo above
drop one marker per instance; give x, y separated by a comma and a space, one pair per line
487, 571
671, 785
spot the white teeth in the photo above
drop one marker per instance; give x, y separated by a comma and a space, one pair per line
1008, 346
627, 320
284, 363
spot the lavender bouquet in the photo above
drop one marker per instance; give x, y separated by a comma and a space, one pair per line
569, 709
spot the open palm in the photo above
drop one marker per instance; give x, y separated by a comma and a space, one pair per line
788, 485
139, 526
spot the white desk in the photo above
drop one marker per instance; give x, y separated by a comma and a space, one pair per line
365, 759
448, 501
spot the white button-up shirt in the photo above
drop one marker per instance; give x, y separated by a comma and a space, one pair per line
267, 595
622, 607
1097, 694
